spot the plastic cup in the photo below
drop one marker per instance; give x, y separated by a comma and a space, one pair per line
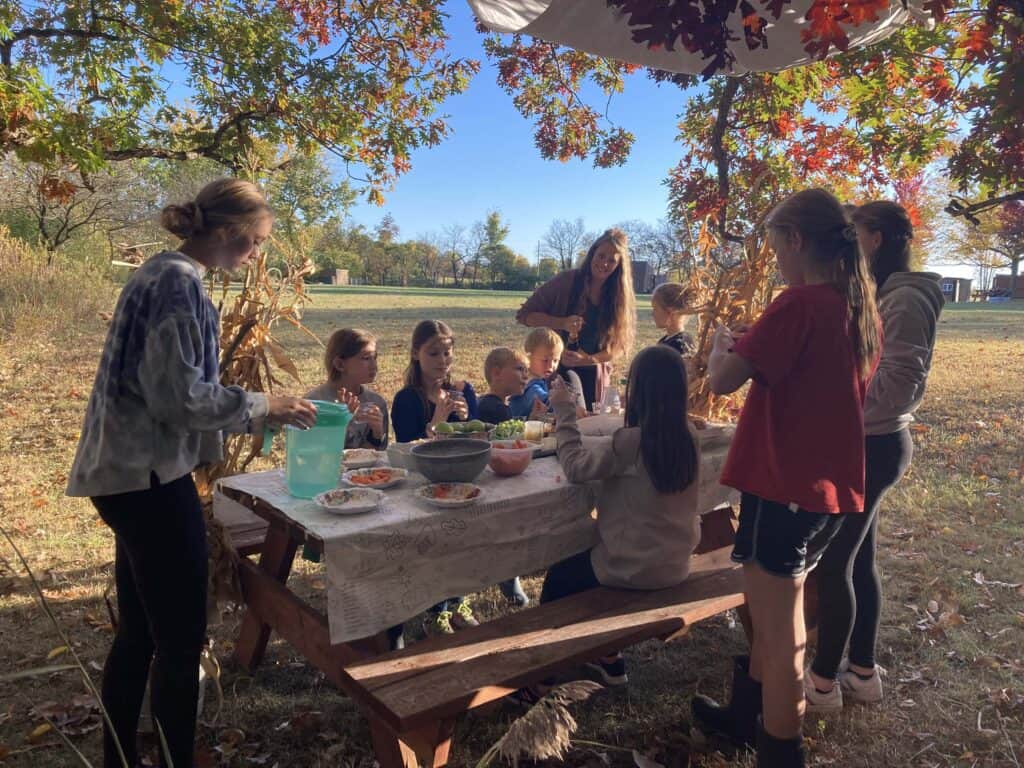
533, 431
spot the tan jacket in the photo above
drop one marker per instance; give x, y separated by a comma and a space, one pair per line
645, 538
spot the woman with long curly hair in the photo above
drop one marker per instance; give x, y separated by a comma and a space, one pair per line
594, 310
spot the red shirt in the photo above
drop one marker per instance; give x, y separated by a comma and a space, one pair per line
800, 437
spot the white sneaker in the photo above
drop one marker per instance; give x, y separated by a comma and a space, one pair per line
856, 688
821, 702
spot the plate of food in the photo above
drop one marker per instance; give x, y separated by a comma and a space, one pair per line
450, 495
375, 477
349, 501
358, 458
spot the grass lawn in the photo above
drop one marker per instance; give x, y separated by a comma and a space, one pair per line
952, 550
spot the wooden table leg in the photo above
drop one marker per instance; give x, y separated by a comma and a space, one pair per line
428, 746
276, 560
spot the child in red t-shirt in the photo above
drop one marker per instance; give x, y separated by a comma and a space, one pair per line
797, 456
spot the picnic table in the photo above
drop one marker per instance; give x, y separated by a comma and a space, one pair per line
386, 566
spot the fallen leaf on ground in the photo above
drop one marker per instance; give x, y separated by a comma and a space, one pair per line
60, 650
979, 578
39, 732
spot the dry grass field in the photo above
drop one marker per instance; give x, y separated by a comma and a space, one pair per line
952, 550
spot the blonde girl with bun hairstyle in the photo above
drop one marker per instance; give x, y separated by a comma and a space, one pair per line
157, 411
671, 304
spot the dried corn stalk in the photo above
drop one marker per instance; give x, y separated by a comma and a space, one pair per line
728, 296
250, 358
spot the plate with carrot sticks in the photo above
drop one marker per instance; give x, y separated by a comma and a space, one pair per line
375, 477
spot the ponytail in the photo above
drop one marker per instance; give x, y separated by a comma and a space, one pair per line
858, 286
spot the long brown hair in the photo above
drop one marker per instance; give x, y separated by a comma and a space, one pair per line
424, 332
892, 222
617, 308
831, 240
231, 205
345, 343
656, 398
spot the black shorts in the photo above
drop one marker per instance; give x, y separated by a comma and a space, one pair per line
781, 538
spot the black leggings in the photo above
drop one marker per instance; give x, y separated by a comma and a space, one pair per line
849, 587
160, 568
569, 576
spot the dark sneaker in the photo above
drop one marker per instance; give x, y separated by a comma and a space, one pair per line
611, 672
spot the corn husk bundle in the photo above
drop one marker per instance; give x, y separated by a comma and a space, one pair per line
545, 731
730, 296
252, 358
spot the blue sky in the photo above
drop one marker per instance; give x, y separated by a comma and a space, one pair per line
489, 162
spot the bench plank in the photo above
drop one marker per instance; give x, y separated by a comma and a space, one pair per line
422, 684
504, 631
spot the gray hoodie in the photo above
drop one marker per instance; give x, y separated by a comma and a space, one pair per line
910, 304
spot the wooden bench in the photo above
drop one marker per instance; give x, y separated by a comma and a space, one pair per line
413, 696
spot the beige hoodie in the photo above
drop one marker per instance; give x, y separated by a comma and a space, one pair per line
645, 538
910, 304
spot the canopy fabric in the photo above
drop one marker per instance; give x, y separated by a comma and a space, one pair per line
594, 27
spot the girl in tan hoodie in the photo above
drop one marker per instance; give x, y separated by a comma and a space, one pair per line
645, 481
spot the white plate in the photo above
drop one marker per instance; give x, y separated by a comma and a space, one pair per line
349, 501
361, 457
425, 494
397, 476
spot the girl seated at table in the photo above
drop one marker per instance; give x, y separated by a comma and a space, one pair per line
351, 364
429, 398
646, 473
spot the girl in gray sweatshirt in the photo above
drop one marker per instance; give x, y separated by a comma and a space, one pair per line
849, 587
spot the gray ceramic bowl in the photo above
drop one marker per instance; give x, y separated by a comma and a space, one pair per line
451, 461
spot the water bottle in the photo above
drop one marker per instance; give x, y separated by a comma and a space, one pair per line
610, 401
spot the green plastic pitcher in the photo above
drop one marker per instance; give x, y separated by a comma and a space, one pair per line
314, 455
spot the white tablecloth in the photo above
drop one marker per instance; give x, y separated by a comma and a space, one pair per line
386, 566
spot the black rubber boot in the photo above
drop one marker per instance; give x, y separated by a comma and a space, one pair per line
736, 721
779, 753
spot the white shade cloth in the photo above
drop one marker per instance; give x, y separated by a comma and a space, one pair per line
594, 27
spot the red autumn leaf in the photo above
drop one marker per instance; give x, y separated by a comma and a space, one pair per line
979, 41
824, 30
828, 17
